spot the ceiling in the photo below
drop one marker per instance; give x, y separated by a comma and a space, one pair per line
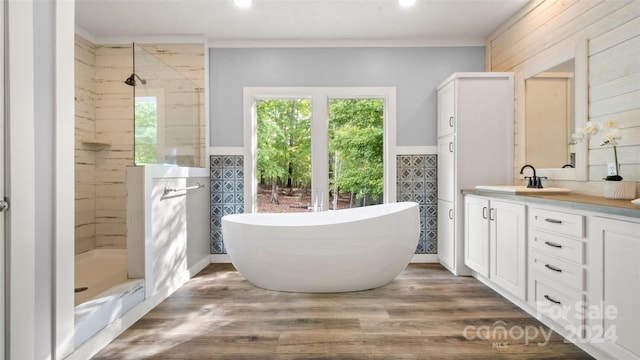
368, 22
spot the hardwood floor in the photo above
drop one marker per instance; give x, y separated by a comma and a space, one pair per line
425, 313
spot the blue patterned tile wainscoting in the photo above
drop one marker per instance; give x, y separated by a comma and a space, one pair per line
227, 194
417, 182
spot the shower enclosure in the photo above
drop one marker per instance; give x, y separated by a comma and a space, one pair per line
168, 110
158, 96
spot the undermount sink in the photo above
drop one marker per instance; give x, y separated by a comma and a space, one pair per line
521, 189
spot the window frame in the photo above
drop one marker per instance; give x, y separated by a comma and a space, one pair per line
319, 134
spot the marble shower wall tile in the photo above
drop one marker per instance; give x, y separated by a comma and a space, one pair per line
417, 181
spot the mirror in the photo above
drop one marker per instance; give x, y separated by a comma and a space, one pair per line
550, 117
551, 89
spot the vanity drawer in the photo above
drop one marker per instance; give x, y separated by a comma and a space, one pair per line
557, 221
562, 304
556, 245
557, 270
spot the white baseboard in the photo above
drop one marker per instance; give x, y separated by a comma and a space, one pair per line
425, 258
198, 266
220, 258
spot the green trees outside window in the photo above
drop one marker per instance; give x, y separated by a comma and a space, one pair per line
146, 130
284, 144
355, 149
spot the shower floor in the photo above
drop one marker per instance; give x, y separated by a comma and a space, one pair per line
99, 270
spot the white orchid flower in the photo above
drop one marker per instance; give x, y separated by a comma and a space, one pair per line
611, 137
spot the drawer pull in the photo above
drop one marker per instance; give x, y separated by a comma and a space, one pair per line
484, 212
451, 121
553, 221
551, 267
552, 300
552, 244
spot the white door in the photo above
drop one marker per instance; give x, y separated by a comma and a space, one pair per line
507, 244
476, 234
446, 236
614, 283
446, 109
446, 168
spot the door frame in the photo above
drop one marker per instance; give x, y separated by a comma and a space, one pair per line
20, 186
2, 174
319, 127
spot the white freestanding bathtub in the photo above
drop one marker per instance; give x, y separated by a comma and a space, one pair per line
328, 251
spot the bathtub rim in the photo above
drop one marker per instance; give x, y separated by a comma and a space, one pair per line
328, 217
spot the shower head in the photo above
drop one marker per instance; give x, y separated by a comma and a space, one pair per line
131, 80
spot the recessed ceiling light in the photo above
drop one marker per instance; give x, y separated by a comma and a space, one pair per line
242, 3
406, 3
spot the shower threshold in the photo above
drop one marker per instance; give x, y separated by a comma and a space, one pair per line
97, 313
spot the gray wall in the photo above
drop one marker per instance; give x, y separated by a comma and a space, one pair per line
415, 72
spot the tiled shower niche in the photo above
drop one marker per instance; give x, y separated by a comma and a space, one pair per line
227, 194
417, 181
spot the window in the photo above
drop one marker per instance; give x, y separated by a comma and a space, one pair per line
328, 147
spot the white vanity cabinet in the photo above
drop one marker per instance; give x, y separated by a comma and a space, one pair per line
614, 286
495, 242
581, 264
475, 142
557, 269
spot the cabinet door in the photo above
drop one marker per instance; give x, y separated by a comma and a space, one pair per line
446, 246
476, 234
614, 285
446, 109
508, 253
446, 168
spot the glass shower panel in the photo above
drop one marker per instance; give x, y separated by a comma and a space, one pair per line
168, 112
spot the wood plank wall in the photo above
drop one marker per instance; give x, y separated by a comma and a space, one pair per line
114, 122
104, 110
85, 158
546, 31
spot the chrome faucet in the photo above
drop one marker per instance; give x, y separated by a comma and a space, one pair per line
534, 181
